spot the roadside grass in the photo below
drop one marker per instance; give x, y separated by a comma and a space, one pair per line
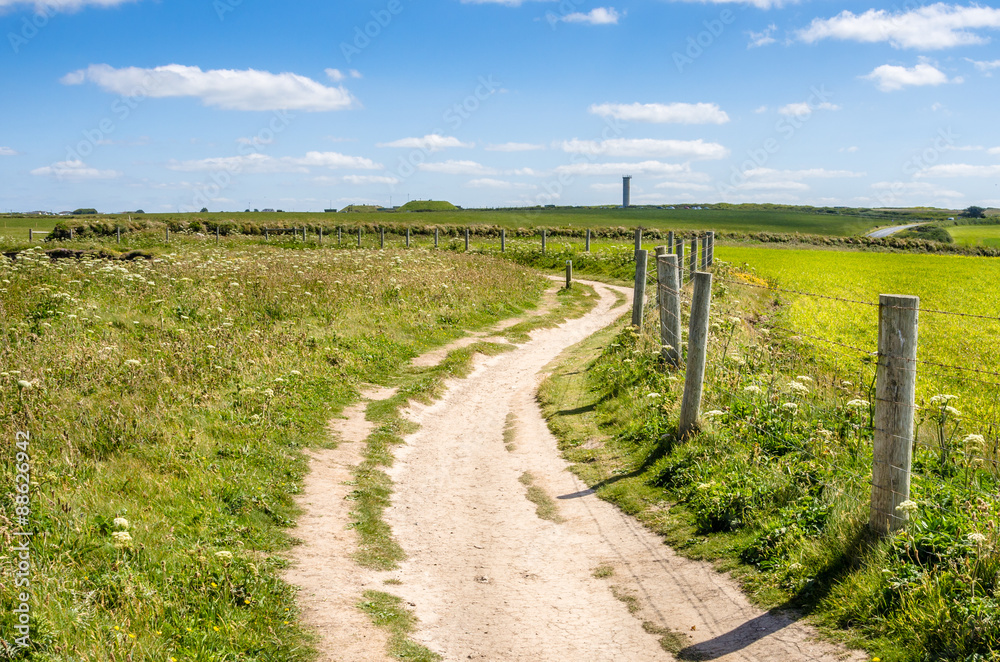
390, 613
775, 486
178, 393
545, 506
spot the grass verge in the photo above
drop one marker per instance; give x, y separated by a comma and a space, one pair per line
390, 613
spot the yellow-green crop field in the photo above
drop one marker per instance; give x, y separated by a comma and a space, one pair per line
168, 403
976, 235
947, 283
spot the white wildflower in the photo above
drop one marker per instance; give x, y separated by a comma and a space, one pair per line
121, 523
295, 372
907, 507
224, 555
715, 413
951, 410
122, 538
653, 395
790, 407
977, 538
943, 399
977, 439
23, 384
804, 378
133, 362
797, 387
753, 388
858, 404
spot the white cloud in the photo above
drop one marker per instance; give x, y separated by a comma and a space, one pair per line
598, 16
514, 147
432, 143
660, 113
336, 75
7, 151
263, 163
499, 184
62, 5
925, 189
360, 180
931, 27
650, 147
74, 170
890, 77
683, 186
985, 67
759, 4
808, 173
227, 89
255, 140
994, 151
619, 169
803, 108
470, 168
850, 150
765, 38
760, 109
960, 170
775, 185
963, 148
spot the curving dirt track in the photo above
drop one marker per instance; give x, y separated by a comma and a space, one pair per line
488, 579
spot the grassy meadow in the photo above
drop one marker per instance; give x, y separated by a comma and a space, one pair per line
976, 235
168, 402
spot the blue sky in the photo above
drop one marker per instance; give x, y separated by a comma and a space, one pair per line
235, 104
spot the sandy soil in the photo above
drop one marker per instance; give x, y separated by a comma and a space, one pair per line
487, 578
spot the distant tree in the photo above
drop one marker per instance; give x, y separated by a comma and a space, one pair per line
139, 211
974, 212
204, 210
84, 212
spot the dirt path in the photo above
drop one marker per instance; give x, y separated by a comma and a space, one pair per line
492, 581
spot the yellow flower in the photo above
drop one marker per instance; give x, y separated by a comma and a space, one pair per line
117, 628
131, 636
214, 585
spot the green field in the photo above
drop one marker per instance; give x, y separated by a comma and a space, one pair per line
734, 219
17, 227
976, 235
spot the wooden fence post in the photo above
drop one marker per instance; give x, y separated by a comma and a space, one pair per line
693, 258
704, 253
694, 378
638, 240
660, 251
466, 240
711, 248
503, 240
381, 237
340, 235
895, 391
639, 298
218, 235
543, 241
118, 231
680, 261
167, 235
267, 234
669, 289
670, 242
436, 235
31, 234
588, 240
407, 237
569, 274
359, 236
320, 235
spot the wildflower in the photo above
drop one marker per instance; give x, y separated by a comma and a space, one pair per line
976, 439
122, 538
224, 555
797, 387
24, 385
705, 486
951, 410
790, 407
653, 395
858, 404
121, 523
714, 413
753, 388
133, 362
804, 378
943, 399
907, 507
267, 393
977, 538
295, 372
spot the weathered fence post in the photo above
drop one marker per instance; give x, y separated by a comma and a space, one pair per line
31, 234
71, 234
503, 240
895, 390
543, 240
680, 261
639, 293
407, 237
340, 235
467, 240
588, 240
167, 235
693, 258
436, 236
638, 239
359, 236
704, 253
694, 378
267, 234
569, 274
118, 231
670, 242
321, 235
218, 235
711, 248
304, 238
670, 309
381, 237
660, 251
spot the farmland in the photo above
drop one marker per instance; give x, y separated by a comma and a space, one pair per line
167, 426
976, 235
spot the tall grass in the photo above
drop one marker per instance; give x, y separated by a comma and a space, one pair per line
177, 393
